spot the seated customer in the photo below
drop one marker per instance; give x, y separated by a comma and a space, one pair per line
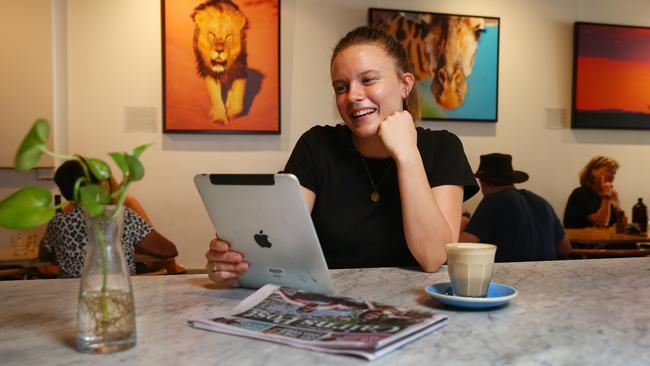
66, 241
520, 223
595, 202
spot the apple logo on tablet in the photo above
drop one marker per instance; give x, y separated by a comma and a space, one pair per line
262, 240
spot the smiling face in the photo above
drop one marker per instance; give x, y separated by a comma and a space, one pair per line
368, 87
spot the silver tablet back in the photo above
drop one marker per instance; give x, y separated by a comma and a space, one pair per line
264, 217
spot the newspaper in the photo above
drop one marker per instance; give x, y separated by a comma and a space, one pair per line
323, 323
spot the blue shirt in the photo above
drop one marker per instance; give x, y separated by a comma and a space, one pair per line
520, 223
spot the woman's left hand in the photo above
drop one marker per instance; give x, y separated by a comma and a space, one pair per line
398, 134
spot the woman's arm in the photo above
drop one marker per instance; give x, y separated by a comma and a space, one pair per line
310, 197
602, 216
563, 248
156, 245
431, 216
450, 201
608, 196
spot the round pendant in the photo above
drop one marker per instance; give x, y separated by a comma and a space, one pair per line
374, 196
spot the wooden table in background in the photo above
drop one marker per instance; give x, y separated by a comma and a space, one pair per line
595, 242
603, 236
31, 266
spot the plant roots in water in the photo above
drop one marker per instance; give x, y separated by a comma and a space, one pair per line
106, 321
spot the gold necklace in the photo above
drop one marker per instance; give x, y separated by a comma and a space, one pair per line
375, 196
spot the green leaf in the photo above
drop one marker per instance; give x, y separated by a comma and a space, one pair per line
99, 168
135, 167
118, 158
93, 197
139, 150
26, 208
33, 145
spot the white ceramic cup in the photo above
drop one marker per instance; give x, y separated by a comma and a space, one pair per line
470, 268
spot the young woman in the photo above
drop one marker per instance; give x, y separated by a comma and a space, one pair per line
595, 202
382, 191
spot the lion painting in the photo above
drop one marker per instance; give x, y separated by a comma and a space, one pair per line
220, 50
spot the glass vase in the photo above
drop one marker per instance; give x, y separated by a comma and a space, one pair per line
106, 312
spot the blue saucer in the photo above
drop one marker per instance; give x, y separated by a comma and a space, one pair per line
498, 294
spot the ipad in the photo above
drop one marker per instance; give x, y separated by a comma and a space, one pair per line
264, 217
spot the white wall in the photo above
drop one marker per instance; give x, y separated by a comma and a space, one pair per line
114, 55
25, 72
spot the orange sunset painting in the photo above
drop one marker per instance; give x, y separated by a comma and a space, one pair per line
611, 77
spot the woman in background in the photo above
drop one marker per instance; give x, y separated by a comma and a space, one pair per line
595, 202
65, 240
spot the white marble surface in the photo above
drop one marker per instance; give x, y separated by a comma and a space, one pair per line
588, 312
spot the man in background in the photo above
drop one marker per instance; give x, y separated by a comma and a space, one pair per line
520, 223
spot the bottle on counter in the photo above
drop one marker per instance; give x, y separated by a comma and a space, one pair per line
640, 215
620, 221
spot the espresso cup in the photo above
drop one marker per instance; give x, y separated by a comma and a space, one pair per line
470, 268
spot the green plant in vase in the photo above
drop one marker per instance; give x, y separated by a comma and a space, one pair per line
106, 313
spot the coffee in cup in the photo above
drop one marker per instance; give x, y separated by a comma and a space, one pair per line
470, 268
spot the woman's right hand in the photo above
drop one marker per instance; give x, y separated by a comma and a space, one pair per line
224, 266
605, 187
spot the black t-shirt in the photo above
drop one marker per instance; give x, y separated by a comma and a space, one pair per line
520, 223
582, 203
353, 230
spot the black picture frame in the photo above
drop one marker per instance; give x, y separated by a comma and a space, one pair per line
191, 102
611, 74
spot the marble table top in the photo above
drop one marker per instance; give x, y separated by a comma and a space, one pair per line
576, 312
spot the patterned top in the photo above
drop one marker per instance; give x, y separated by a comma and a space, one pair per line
66, 237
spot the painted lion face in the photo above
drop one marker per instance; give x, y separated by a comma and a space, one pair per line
218, 37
